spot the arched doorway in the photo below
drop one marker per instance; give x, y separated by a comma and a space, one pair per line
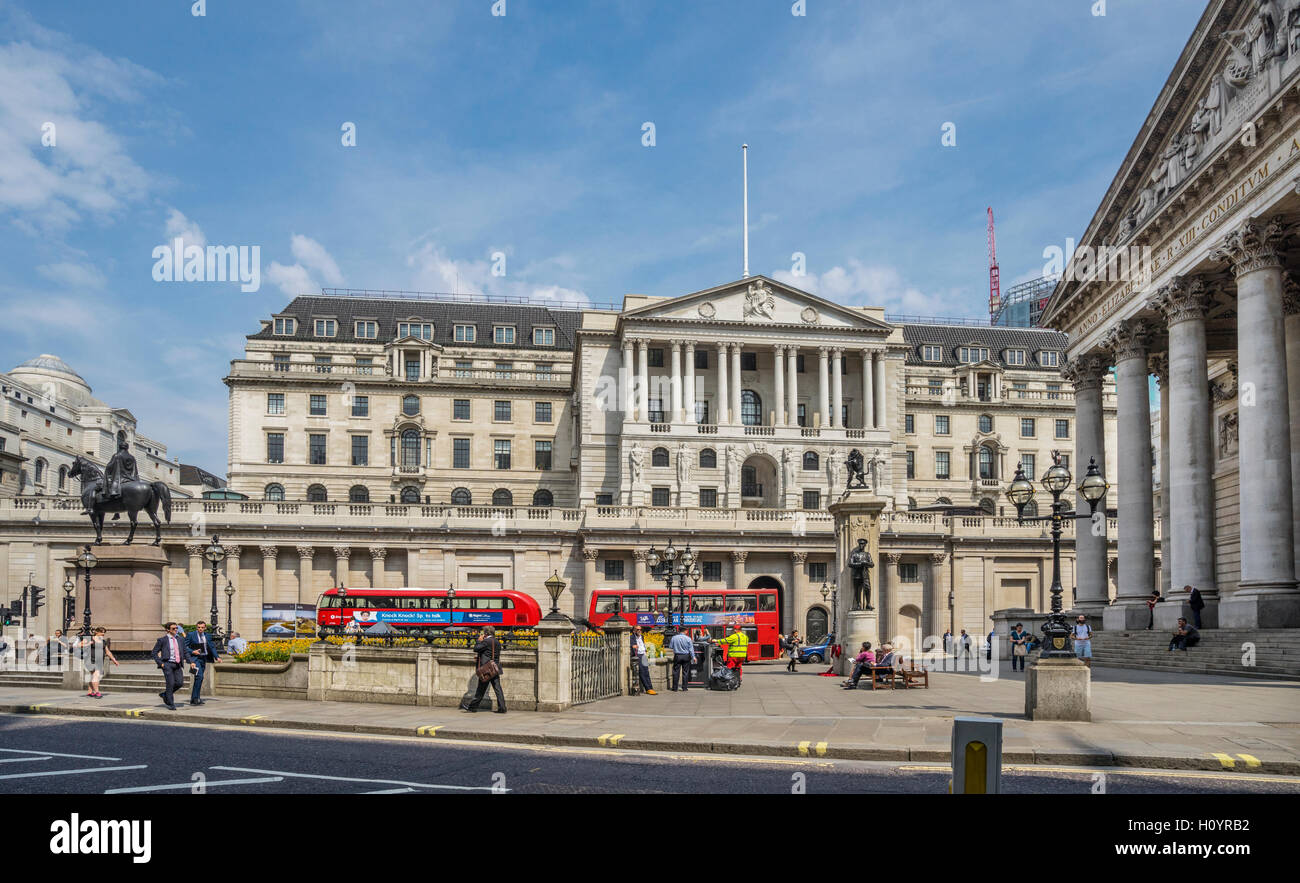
816, 623
759, 482
908, 639
782, 605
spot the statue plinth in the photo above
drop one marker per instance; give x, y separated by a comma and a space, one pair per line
857, 517
125, 594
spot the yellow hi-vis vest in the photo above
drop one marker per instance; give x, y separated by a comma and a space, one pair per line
739, 648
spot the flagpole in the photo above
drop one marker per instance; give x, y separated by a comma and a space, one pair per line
744, 153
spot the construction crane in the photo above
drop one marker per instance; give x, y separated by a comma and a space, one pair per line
995, 285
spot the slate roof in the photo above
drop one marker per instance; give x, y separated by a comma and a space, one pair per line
198, 475
998, 339
443, 315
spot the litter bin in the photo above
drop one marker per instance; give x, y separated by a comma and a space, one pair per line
702, 667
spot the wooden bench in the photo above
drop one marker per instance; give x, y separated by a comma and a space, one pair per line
913, 676
883, 678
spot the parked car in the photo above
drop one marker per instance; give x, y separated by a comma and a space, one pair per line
817, 651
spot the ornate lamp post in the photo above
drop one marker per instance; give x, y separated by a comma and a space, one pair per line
1056, 480
215, 553
674, 568
555, 587
832, 592
230, 597
451, 607
87, 560
69, 604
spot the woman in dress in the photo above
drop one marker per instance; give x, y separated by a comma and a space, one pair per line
794, 641
95, 653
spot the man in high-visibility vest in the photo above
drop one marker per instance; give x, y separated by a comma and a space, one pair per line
737, 649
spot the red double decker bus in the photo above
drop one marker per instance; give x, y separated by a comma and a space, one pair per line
418, 610
710, 610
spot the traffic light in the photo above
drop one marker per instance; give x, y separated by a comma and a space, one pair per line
37, 599
16, 608
6, 617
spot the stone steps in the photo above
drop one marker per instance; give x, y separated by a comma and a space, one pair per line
1220, 651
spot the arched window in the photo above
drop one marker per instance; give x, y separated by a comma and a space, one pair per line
708, 459
751, 408
410, 447
358, 493
410, 494
63, 478
659, 457
986, 423
811, 462
410, 405
543, 498
988, 506
815, 624
316, 494
943, 501
502, 497
749, 482
461, 497
40, 471
273, 493
986, 462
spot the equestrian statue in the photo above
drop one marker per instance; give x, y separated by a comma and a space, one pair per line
119, 489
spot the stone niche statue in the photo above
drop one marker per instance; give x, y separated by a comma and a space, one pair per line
860, 565
637, 461
857, 470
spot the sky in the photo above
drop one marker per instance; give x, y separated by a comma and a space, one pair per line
582, 150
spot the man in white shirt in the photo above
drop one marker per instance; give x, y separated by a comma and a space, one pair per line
643, 665
237, 643
1083, 640
169, 654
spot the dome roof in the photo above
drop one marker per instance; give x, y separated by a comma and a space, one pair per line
50, 363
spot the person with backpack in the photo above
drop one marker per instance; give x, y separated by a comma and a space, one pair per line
792, 648
1083, 640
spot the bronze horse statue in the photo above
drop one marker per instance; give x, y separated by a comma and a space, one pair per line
136, 495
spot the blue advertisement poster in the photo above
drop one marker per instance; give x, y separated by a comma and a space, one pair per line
366, 618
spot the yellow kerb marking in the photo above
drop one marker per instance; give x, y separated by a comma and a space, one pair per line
610, 740
1251, 760
38, 706
430, 731
251, 719
803, 748
1226, 760
821, 749
135, 712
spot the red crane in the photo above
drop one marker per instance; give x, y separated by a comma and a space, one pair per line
995, 285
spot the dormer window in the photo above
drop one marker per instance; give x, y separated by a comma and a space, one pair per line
326, 327
1015, 357
1049, 359
932, 353
367, 330
503, 334
972, 354
285, 326
465, 334
543, 337
422, 330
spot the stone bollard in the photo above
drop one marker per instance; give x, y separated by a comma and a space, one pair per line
554, 664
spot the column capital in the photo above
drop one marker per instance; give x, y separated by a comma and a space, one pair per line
1085, 371
938, 557
721, 345
639, 555
677, 346
1184, 299
892, 557
641, 342
837, 351
799, 558
1290, 296
232, 551
306, 551
1256, 244
344, 552
690, 347
1158, 365
779, 349
194, 550
1128, 339
824, 351
590, 553
378, 552
738, 556
269, 552
736, 345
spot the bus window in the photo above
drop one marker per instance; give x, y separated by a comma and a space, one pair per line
638, 603
357, 602
767, 602
488, 604
706, 603
409, 603
328, 601
607, 603
742, 603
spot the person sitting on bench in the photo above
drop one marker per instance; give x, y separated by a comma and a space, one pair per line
1184, 636
861, 663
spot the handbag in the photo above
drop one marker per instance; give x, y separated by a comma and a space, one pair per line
1019, 650
487, 670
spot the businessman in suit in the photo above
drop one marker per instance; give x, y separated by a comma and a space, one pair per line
199, 652
169, 654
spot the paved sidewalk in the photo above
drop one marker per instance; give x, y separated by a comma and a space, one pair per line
1140, 719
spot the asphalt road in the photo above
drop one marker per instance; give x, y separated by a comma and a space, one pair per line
63, 755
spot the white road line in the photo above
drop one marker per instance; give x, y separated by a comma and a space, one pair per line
241, 769
56, 754
1195, 723
189, 785
97, 769
390, 791
22, 759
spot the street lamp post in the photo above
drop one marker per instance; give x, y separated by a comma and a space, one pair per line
69, 604
230, 597
832, 593
87, 560
555, 587
215, 553
1056, 480
674, 568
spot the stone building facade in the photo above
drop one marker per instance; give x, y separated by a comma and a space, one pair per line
389, 442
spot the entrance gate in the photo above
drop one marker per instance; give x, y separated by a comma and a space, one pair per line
595, 667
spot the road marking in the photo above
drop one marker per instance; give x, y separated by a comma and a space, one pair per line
610, 740
23, 759
39, 706
1225, 759
821, 749
190, 785
56, 754
429, 731
1116, 771
240, 769
251, 719
390, 791
134, 712
98, 769
1251, 760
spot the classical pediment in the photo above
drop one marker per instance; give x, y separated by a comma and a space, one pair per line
757, 301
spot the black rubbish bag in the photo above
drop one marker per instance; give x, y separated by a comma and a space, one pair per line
723, 679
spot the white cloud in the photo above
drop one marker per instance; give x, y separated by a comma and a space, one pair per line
68, 274
292, 280
432, 270
299, 278
187, 230
313, 256
858, 284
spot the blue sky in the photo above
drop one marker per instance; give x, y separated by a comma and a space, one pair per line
523, 134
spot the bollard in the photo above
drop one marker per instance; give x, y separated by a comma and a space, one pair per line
976, 755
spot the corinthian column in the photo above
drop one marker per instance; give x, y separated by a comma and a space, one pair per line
1127, 341
792, 384
1291, 306
628, 404
824, 388
723, 399
675, 414
342, 554
688, 381
736, 416
1190, 488
1266, 597
377, 556
778, 375
868, 396
888, 604
1086, 373
936, 600
643, 381
837, 388
305, 556
1159, 367
270, 593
